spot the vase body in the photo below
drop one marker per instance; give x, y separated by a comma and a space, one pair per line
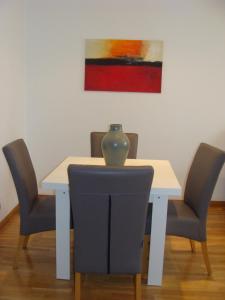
115, 146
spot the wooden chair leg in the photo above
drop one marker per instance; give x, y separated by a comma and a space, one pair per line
145, 254
193, 248
22, 242
77, 286
206, 257
25, 241
137, 280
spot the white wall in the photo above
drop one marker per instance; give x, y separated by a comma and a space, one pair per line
12, 114
190, 109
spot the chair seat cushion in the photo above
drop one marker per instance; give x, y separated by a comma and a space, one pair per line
42, 215
182, 221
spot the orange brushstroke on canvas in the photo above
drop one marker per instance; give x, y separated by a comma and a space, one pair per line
128, 48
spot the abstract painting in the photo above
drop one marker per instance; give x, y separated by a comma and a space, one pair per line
123, 65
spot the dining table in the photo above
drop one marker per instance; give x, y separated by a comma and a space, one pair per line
164, 185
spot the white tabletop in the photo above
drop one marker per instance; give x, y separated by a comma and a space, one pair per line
164, 180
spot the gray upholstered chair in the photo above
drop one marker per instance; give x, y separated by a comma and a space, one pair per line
37, 213
96, 140
188, 218
109, 207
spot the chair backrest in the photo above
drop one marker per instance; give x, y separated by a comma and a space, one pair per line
96, 140
109, 207
21, 167
202, 178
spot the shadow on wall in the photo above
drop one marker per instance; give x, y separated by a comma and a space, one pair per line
219, 142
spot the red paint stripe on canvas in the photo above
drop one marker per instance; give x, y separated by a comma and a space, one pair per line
123, 78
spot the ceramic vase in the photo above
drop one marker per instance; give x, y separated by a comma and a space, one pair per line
115, 146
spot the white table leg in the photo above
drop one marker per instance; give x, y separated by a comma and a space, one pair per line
62, 235
157, 239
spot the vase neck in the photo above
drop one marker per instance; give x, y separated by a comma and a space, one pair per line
115, 127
